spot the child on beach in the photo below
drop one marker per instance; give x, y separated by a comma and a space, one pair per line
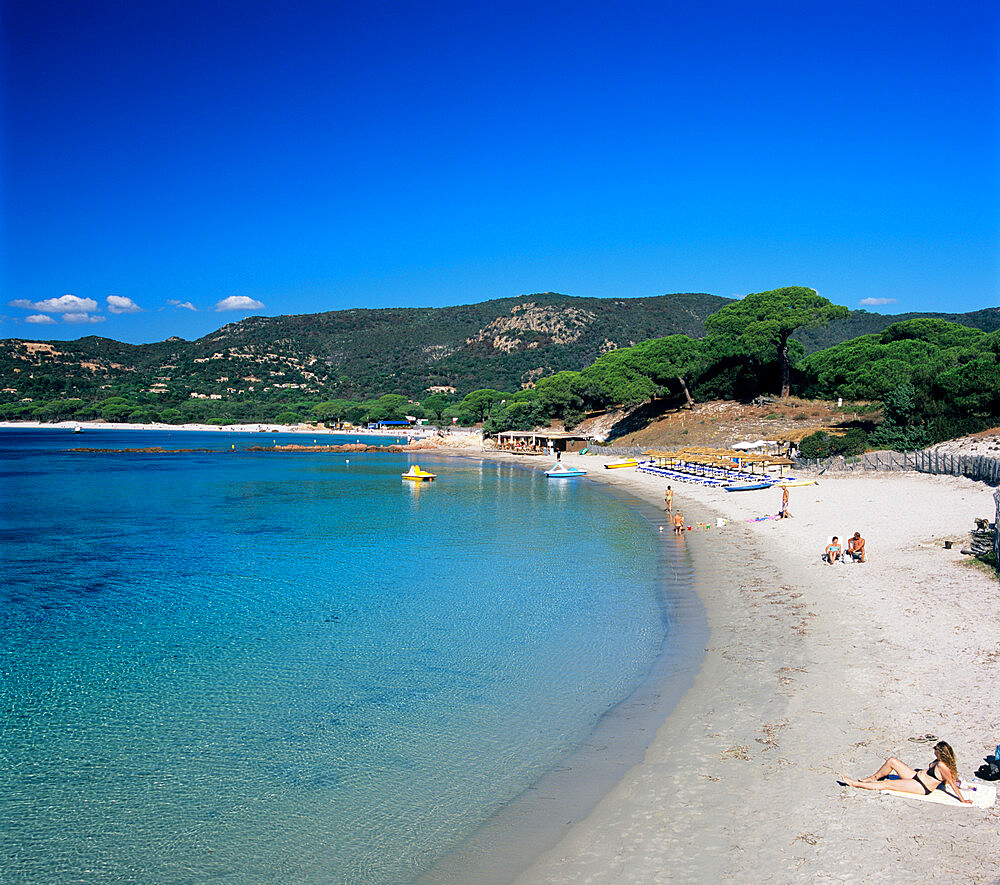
922, 781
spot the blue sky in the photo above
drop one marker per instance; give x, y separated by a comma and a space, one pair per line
195, 162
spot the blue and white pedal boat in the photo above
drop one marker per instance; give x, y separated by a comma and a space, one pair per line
561, 471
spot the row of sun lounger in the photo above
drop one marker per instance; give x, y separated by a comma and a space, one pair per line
702, 475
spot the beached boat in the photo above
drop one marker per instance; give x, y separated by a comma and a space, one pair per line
415, 474
750, 487
628, 462
791, 483
561, 471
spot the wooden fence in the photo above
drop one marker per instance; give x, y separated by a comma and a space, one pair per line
616, 451
977, 467
996, 529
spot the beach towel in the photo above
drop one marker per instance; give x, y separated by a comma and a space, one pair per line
982, 795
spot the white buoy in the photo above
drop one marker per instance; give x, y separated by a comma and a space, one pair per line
348, 461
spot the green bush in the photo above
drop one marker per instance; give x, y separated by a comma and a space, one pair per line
821, 445
854, 442
816, 445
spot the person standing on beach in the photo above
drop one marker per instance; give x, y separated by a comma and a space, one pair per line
668, 496
678, 522
783, 513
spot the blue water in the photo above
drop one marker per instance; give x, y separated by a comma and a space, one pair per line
256, 667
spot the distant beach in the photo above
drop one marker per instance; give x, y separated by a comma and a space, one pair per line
255, 427
420, 438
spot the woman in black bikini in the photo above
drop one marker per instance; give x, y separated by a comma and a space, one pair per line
943, 770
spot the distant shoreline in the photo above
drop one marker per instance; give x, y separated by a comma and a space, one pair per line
251, 427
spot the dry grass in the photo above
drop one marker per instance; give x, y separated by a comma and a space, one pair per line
725, 422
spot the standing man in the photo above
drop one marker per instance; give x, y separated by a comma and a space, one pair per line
668, 496
678, 522
784, 514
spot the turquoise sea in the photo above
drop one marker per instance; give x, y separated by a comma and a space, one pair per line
246, 667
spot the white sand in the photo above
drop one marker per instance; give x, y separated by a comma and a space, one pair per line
428, 437
812, 670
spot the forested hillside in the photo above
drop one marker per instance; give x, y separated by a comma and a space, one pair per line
520, 362
861, 322
266, 366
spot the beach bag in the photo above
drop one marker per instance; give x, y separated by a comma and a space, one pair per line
991, 770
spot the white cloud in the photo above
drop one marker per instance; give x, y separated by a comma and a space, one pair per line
40, 318
62, 304
187, 305
876, 302
82, 318
239, 302
121, 304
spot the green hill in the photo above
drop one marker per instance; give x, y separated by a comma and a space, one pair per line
357, 354
861, 322
261, 367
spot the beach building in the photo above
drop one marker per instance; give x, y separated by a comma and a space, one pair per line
540, 442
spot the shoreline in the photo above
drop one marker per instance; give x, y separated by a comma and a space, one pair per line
251, 427
810, 670
520, 832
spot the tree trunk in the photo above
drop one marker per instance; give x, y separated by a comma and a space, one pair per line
785, 368
687, 393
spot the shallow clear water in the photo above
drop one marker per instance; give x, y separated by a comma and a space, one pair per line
253, 667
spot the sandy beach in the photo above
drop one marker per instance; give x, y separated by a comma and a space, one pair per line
420, 438
811, 670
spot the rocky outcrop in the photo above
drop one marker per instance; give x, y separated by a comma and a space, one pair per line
529, 324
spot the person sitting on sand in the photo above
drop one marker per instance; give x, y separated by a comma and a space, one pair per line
856, 547
678, 522
923, 782
833, 551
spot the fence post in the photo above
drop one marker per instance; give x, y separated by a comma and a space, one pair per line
996, 527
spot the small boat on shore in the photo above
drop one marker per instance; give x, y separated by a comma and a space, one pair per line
415, 474
561, 471
628, 462
750, 487
78, 429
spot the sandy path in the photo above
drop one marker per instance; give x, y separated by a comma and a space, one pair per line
811, 670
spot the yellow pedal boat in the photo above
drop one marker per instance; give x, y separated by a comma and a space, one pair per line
415, 474
628, 462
